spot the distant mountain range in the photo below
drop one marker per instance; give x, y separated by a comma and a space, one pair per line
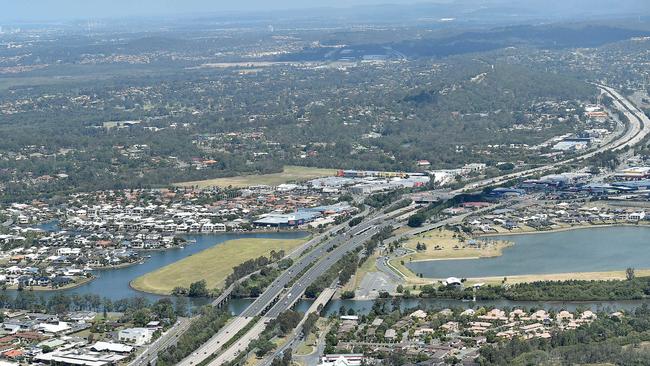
547, 36
400, 11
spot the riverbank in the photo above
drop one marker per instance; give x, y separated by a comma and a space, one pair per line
212, 265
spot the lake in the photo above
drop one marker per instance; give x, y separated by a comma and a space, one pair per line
582, 250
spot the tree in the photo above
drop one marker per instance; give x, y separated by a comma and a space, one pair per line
180, 291
198, 289
287, 321
181, 306
416, 220
141, 317
629, 273
355, 221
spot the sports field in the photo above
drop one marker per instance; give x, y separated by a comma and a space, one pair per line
290, 174
212, 265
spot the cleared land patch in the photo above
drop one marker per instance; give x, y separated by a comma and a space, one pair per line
212, 265
290, 174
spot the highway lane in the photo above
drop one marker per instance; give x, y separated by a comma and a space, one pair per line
217, 341
241, 344
293, 339
295, 292
301, 264
638, 129
321, 246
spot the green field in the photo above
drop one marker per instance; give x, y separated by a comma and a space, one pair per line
290, 174
212, 265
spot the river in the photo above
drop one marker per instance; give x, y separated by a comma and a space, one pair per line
114, 283
594, 249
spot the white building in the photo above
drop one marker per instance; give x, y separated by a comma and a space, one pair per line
342, 360
137, 336
53, 328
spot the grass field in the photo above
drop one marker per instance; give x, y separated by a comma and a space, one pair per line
212, 265
290, 174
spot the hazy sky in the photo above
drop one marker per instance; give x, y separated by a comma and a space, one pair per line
25, 10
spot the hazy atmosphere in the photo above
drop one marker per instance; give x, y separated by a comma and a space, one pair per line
324, 183
36, 10
66, 9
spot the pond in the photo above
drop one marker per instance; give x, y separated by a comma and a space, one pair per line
582, 250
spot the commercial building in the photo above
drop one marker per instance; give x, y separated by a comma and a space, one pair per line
137, 336
287, 220
634, 173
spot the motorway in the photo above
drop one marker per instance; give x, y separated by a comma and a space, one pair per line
325, 256
241, 344
294, 338
322, 245
638, 128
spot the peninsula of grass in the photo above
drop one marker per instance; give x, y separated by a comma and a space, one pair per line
212, 265
289, 174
